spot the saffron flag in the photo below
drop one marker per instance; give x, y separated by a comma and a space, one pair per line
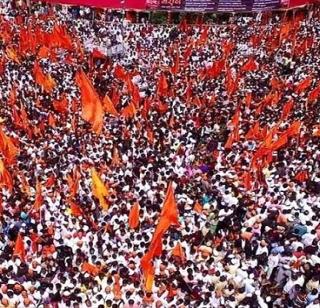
250, 65
19, 249
108, 106
39, 198
197, 207
179, 252
163, 85
43, 80
286, 110
90, 268
149, 278
129, 111
99, 190
116, 287
5, 177
92, 109
134, 216
170, 209
303, 85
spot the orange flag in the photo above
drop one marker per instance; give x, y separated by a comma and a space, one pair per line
176, 65
61, 105
314, 94
8, 148
51, 120
39, 198
235, 119
155, 247
73, 182
179, 252
280, 142
92, 109
303, 85
44, 52
90, 269
108, 106
129, 111
75, 209
286, 109
12, 55
99, 189
43, 80
163, 85
120, 73
134, 216
302, 176
250, 65
19, 248
5, 177
247, 180
170, 209
60, 38
149, 279
294, 129
197, 207
116, 287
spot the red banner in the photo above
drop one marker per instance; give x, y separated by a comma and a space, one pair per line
188, 5
116, 4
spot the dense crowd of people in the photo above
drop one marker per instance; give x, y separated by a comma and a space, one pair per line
228, 115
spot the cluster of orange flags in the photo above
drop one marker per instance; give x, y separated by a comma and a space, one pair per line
169, 216
92, 109
99, 189
43, 80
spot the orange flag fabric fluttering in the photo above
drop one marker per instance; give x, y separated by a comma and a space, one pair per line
134, 216
170, 209
163, 85
117, 287
39, 198
108, 106
303, 85
99, 189
5, 177
149, 280
129, 111
92, 109
197, 207
179, 252
61, 105
43, 80
19, 249
250, 65
90, 268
